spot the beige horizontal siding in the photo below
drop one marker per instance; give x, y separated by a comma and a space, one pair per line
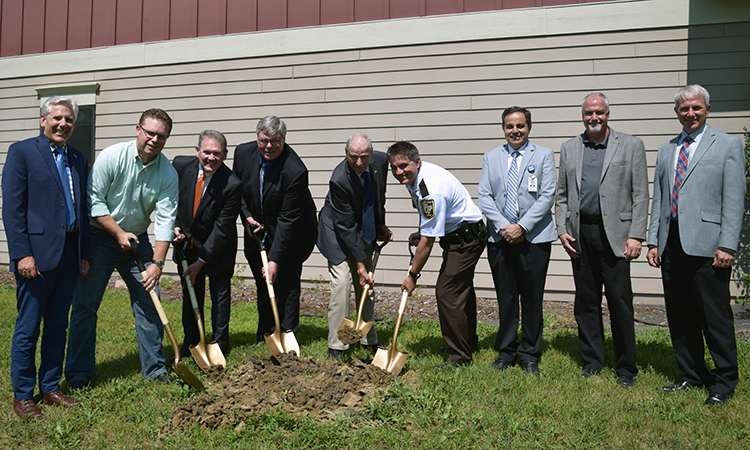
447, 97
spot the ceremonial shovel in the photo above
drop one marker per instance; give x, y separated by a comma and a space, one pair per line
179, 367
277, 341
392, 361
350, 332
207, 357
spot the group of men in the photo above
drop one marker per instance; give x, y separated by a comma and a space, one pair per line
69, 228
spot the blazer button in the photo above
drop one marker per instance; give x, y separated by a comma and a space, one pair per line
62, 226
62, 206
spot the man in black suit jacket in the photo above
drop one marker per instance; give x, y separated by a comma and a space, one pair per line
282, 206
207, 222
348, 230
45, 215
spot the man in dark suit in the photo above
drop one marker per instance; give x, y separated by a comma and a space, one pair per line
210, 198
600, 211
45, 215
351, 220
276, 199
696, 219
516, 193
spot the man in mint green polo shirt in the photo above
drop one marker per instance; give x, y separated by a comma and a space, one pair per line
128, 182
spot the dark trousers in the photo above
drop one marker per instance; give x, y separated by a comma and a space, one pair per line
48, 297
598, 266
456, 299
221, 302
287, 288
698, 304
519, 272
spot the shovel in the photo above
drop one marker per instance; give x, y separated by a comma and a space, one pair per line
350, 332
277, 341
207, 357
179, 367
391, 360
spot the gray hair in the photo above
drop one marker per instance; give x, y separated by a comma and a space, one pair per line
60, 100
692, 91
271, 125
403, 148
604, 97
214, 135
358, 135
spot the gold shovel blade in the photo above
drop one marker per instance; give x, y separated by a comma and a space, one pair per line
391, 363
349, 333
215, 356
187, 376
200, 358
282, 343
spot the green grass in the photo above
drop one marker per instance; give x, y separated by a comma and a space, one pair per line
469, 407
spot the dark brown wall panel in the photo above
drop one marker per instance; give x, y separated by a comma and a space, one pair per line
56, 26
128, 25
212, 17
241, 16
183, 19
305, 13
482, 5
436, 7
79, 24
271, 14
406, 8
11, 17
365, 10
103, 23
337, 11
513, 4
33, 27
155, 20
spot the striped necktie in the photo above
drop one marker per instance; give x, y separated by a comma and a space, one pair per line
511, 191
679, 174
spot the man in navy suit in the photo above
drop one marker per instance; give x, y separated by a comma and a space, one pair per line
696, 219
350, 222
208, 221
46, 224
516, 193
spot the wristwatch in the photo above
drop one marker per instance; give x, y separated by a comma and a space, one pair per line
159, 264
414, 275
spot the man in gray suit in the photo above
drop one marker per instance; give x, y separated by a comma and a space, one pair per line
516, 193
351, 220
696, 218
601, 209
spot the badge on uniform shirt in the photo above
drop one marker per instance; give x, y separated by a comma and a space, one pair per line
428, 208
532, 179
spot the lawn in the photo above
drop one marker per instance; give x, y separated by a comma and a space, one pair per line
469, 407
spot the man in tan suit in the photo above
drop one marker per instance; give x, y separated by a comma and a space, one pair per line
601, 205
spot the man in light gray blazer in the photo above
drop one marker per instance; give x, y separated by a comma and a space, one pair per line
601, 212
516, 193
696, 218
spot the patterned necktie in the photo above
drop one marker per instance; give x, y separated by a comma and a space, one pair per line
511, 191
62, 170
368, 212
679, 174
198, 192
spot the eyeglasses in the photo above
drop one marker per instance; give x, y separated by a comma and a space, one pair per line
152, 134
264, 142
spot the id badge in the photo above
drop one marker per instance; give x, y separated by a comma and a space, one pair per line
532, 184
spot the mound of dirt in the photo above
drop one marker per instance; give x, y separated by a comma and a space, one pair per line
297, 386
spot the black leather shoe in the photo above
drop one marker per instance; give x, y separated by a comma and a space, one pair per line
335, 354
625, 380
589, 372
166, 378
716, 399
501, 364
681, 386
531, 367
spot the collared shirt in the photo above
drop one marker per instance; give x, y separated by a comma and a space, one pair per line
696, 140
208, 176
442, 201
591, 175
122, 187
519, 158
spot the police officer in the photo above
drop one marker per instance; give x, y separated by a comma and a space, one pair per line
447, 211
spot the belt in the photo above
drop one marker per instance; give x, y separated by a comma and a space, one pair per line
591, 219
466, 232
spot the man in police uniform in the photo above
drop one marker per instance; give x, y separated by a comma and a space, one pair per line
446, 211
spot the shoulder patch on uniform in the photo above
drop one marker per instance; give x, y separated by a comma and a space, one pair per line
428, 208
423, 189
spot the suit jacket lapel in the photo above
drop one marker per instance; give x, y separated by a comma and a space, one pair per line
609, 154
528, 155
578, 161
709, 137
42, 145
356, 186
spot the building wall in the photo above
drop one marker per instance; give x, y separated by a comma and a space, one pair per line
441, 82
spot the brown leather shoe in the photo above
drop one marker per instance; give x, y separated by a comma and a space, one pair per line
27, 408
58, 398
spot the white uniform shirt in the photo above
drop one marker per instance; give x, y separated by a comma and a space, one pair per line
442, 201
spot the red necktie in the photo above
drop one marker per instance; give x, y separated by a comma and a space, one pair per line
198, 192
